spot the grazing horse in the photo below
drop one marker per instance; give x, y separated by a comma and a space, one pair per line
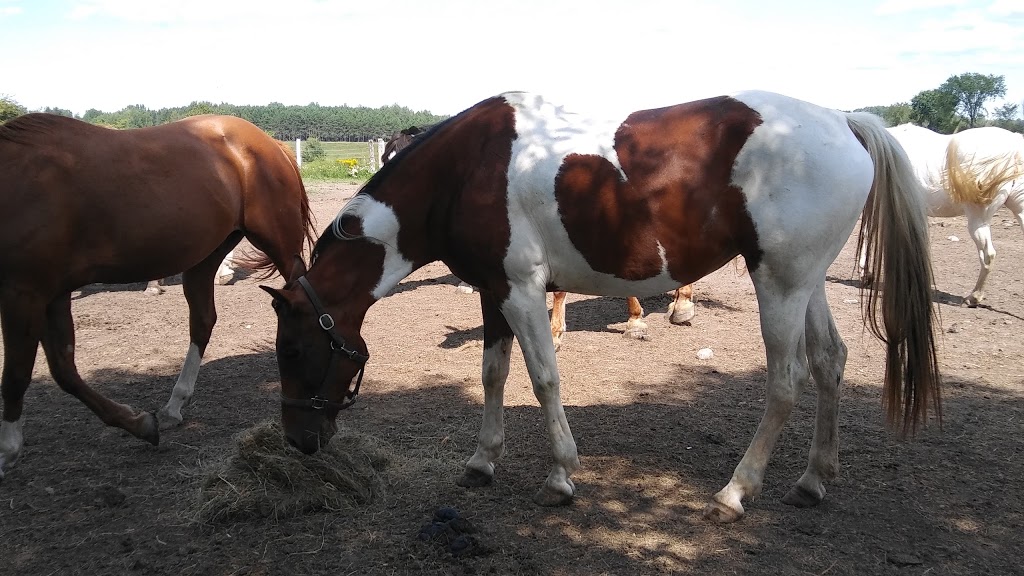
971, 173
680, 311
398, 141
81, 204
519, 196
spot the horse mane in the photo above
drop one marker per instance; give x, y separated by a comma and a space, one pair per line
335, 232
977, 180
27, 128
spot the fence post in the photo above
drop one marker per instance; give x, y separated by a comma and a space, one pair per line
379, 156
298, 151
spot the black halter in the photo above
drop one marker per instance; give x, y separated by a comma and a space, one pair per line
338, 348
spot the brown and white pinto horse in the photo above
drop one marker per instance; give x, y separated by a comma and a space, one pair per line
680, 311
81, 204
518, 197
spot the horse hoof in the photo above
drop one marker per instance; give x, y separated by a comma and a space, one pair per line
465, 288
972, 301
801, 497
636, 334
473, 478
550, 497
154, 291
715, 511
223, 280
682, 314
150, 431
166, 420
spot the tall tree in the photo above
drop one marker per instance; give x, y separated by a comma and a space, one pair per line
971, 90
935, 110
9, 108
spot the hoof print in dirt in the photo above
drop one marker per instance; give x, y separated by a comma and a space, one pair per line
454, 534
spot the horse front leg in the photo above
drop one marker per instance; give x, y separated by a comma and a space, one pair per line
494, 372
526, 312
197, 284
22, 323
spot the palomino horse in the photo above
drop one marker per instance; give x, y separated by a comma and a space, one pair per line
81, 204
518, 196
974, 173
680, 311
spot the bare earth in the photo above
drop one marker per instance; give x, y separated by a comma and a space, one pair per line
659, 432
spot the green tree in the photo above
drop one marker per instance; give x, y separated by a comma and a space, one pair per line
935, 110
894, 114
9, 108
1006, 118
971, 90
312, 150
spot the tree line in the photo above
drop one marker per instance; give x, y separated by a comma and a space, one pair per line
959, 103
326, 123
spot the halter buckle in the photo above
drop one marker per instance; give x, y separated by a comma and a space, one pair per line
326, 321
318, 403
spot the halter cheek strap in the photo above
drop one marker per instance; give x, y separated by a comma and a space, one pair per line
338, 348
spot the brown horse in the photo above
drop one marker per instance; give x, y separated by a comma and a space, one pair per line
680, 311
519, 196
81, 204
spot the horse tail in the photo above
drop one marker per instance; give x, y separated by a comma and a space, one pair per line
257, 260
977, 180
894, 235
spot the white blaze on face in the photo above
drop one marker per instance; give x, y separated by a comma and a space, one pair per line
380, 225
540, 249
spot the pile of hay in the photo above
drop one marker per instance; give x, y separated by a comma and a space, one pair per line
266, 478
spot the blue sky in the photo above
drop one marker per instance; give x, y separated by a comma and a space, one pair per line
445, 55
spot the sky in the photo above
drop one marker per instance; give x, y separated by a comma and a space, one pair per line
596, 56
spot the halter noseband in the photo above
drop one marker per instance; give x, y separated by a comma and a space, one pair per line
338, 347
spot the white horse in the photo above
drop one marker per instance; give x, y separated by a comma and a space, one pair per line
225, 274
974, 173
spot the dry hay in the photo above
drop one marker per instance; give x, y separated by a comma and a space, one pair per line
265, 478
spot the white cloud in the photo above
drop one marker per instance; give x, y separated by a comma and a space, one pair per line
902, 6
10, 11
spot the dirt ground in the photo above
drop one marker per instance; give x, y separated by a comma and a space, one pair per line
659, 432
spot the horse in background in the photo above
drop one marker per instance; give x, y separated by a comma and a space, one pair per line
81, 204
971, 173
680, 311
225, 274
519, 196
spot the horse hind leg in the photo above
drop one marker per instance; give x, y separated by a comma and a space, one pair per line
782, 312
979, 226
155, 288
59, 346
826, 354
197, 284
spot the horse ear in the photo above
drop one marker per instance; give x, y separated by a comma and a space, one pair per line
298, 269
277, 295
